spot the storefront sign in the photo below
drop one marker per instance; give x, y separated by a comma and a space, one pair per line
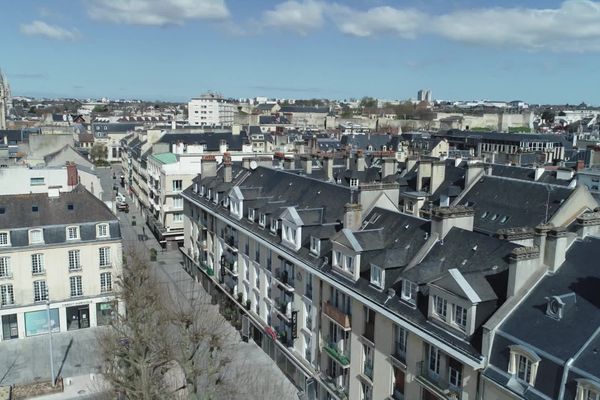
36, 322
294, 324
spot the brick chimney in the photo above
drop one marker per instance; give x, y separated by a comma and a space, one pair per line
72, 175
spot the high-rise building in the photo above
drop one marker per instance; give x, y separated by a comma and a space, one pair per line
424, 95
210, 109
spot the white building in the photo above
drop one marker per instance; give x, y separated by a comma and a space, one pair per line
58, 251
210, 110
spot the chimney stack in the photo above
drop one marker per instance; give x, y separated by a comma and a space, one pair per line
556, 248
360, 161
474, 171
306, 164
72, 176
352, 216
389, 167
328, 167
524, 262
227, 173
208, 167
445, 218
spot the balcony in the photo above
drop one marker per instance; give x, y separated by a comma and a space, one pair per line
230, 267
337, 316
337, 352
335, 384
283, 308
437, 382
285, 279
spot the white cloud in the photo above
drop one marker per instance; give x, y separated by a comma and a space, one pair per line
157, 12
573, 26
301, 17
404, 23
41, 28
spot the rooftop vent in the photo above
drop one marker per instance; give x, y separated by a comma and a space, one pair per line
557, 306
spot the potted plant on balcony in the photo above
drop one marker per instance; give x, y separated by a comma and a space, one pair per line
240, 297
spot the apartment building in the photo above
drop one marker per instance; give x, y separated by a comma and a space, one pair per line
58, 250
352, 299
210, 109
168, 175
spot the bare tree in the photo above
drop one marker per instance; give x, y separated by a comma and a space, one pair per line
136, 348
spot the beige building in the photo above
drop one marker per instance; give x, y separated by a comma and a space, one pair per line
58, 251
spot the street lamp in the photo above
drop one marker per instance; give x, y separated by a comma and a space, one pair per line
49, 335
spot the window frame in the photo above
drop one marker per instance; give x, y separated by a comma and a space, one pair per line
177, 187
37, 260
5, 267
377, 282
409, 291
71, 229
100, 227
7, 294
40, 286
106, 282
107, 257
76, 286
33, 232
7, 242
74, 260
315, 245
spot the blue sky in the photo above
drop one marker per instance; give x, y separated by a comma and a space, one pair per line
541, 51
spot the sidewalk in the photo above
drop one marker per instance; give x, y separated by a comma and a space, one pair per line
79, 387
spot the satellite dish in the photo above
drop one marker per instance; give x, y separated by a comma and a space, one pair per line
253, 164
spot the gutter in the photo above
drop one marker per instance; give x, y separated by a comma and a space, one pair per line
470, 361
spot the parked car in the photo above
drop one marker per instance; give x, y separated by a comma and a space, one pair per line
123, 207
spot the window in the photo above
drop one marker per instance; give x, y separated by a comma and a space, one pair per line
376, 276
367, 391
72, 233
337, 259
460, 317
273, 225
262, 220
76, 287
102, 230
36, 236
178, 217
315, 245
353, 182
37, 264
40, 291
251, 214
4, 239
454, 373
178, 202
523, 363
409, 291
587, 390
74, 264
105, 282
349, 264
523, 368
105, 256
7, 296
441, 307
400, 339
5, 271
36, 181
177, 185
434, 360
368, 361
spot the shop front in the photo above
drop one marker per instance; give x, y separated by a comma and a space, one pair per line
36, 322
78, 317
105, 312
10, 327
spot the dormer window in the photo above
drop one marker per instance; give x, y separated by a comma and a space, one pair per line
441, 307
315, 245
202, 190
523, 364
72, 233
251, 214
409, 291
460, 317
274, 225
36, 236
209, 194
353, 182
262, 220
376, 276
102, 230
195, 188
216, 198
4, 239
587, 390
226, 201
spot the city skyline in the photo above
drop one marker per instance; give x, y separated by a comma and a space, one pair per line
176, 49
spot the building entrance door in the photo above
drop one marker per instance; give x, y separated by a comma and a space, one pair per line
78, 317
10, 328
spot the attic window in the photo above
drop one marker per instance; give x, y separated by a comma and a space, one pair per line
495, 217
353, 182
504, 219
376, 276
70, 206
484, 215
34, 208
315, 245
2, 210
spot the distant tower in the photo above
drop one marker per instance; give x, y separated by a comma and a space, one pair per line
5, 100
424, 95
